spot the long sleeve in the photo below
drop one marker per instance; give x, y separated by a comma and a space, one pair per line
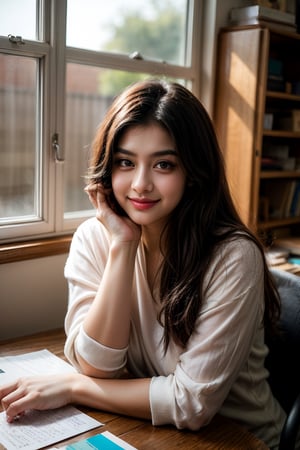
217, 354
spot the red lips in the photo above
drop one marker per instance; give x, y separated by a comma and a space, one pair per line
143, 203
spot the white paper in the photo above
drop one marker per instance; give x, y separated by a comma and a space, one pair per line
39, 362
38, 429
118, 441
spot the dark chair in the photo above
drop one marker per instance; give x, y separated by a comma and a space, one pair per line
283, 359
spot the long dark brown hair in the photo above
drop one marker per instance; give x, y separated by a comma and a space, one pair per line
204, 218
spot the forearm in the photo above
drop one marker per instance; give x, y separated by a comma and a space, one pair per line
122, 396
108, 320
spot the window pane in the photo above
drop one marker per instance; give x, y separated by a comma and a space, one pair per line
130, 26
18, 138
18, 17
90, 91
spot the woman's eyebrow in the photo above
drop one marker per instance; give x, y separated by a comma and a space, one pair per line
158, 153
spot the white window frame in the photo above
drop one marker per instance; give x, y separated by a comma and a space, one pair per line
55, 56
42, 51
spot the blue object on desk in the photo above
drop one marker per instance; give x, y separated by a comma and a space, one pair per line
94, 442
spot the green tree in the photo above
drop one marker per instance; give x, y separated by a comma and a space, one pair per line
156, 34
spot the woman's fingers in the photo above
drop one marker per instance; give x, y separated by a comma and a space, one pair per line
15, 399
6, 389
98, 197
41, 392
16, 409
91, 190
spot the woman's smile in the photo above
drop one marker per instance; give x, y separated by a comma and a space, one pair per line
142, 204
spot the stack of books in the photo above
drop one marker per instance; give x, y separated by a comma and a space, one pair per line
277, 157
277, 256
283, 199
276, 81
285, 255
262, 15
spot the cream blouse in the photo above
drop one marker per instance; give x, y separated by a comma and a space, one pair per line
221, 369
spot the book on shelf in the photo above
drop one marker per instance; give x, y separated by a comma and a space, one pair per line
273, 25
282, 198
295, 204
276, 151
290, 196
278, 194
290, 121
276, 157
292, 207
268, 121
276, 85
275, 67
270, 163
258, 12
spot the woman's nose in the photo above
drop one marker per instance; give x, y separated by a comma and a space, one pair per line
142, 181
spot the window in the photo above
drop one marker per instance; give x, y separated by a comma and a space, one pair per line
59, 71
19, 138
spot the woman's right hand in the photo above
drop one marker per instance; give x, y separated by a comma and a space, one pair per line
36, 392
121, 228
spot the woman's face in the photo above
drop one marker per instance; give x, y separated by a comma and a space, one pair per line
148, 180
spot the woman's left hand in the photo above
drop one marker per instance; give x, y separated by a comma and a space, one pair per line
120, 227
36, 392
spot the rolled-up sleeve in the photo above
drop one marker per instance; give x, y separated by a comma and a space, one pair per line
170, 397
98, 355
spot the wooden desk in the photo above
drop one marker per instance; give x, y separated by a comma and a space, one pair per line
221, 433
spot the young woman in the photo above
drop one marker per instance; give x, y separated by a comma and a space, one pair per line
169, 293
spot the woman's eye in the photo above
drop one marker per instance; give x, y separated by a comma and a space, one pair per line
123, 163
165, 165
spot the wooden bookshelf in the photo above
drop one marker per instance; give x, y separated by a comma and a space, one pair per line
242, 99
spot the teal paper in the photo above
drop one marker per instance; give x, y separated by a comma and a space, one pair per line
98, 442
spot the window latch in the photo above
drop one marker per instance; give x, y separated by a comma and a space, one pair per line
56, 147
16, 39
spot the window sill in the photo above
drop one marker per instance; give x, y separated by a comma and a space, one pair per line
22, 251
